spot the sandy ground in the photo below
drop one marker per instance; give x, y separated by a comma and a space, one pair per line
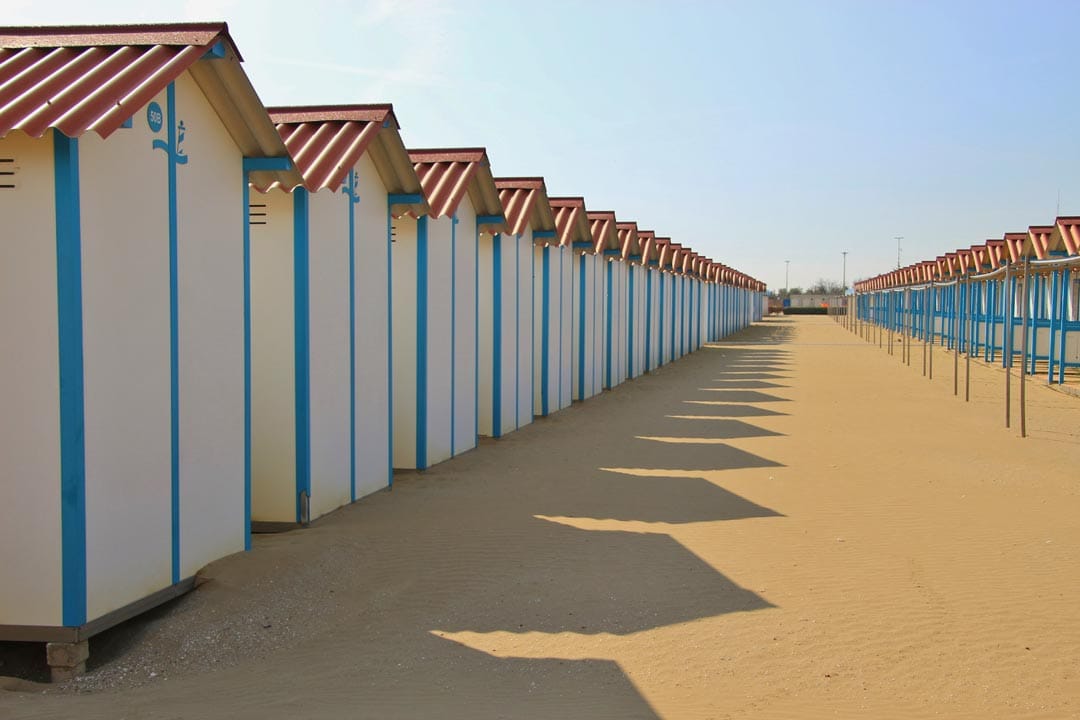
787, 524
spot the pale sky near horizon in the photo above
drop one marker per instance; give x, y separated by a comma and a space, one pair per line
754, 131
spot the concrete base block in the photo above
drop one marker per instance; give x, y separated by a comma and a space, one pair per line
67, 660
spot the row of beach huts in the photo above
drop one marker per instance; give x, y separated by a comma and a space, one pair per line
1018, 292
219, 317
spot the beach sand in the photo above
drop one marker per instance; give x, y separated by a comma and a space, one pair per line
787, 524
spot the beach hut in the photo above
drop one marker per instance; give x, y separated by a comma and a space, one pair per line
648, 311
588, 312
556, 300
635, 313
616, 305
123, 284
435, 307
507, 296
320, 312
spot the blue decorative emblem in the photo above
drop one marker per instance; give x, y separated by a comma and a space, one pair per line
154, 117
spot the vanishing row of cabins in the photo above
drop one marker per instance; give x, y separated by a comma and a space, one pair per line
218, 316
1020, 292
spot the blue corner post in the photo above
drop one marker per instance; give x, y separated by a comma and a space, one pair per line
421, 341
302, 345
71, 400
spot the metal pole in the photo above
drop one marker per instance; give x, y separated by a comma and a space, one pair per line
924, 295
933, 325
1023, 343
967, 357
956, 340
1007, 304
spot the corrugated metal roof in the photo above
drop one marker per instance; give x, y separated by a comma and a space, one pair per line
326, 148
1066, 236
1038, 240
647, 241
447, 174
1014, 243
571, 223
628, 238
604, 233
525, 203
81, 79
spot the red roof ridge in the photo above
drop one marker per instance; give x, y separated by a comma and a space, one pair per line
374, 112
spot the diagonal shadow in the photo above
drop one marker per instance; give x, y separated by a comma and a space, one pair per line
722, 428
745, 384
721, 409
742, 396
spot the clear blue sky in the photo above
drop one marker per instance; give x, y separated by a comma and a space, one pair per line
754, 132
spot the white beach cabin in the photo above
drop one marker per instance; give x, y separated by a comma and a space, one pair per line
435, 307
590, 309
321, 312
123, 267
555, 302
507, 292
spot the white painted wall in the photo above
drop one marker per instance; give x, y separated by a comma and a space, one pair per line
599, 350
30, 553
464, 330
524, 357
566, 327
485, 333
441, 238
328, 267
404, 346
273, 367
211, 319
126, 365
373, 387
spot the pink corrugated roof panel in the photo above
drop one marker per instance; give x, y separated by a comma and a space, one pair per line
326, 143
82, 79
1069, 228
604, 234
445, 176
571, 224
518, 197
1040, 239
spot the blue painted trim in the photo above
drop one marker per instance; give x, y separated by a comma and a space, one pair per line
404, 199
562, 278
583, 246
630, 325
633, 257
352, 200
532, 335
489, 220
517, 331
476, 335
543, 234
174, 331
302, 342
389, 342
612, 253
70, 361
654, 263
660, 336
545, 328
128, 124
496, 343
263, 164
581, 331
217, 52
648, 320
610, 295
421, 341
453, 332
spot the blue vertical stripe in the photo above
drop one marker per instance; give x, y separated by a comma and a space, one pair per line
517, 331
476, 334
648, 319
610, 293
581, 330
174, 333
453, 332
562, 278
421, 341
630, 323
545, 329
352, 200
496, 343
302, 343
70, 361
